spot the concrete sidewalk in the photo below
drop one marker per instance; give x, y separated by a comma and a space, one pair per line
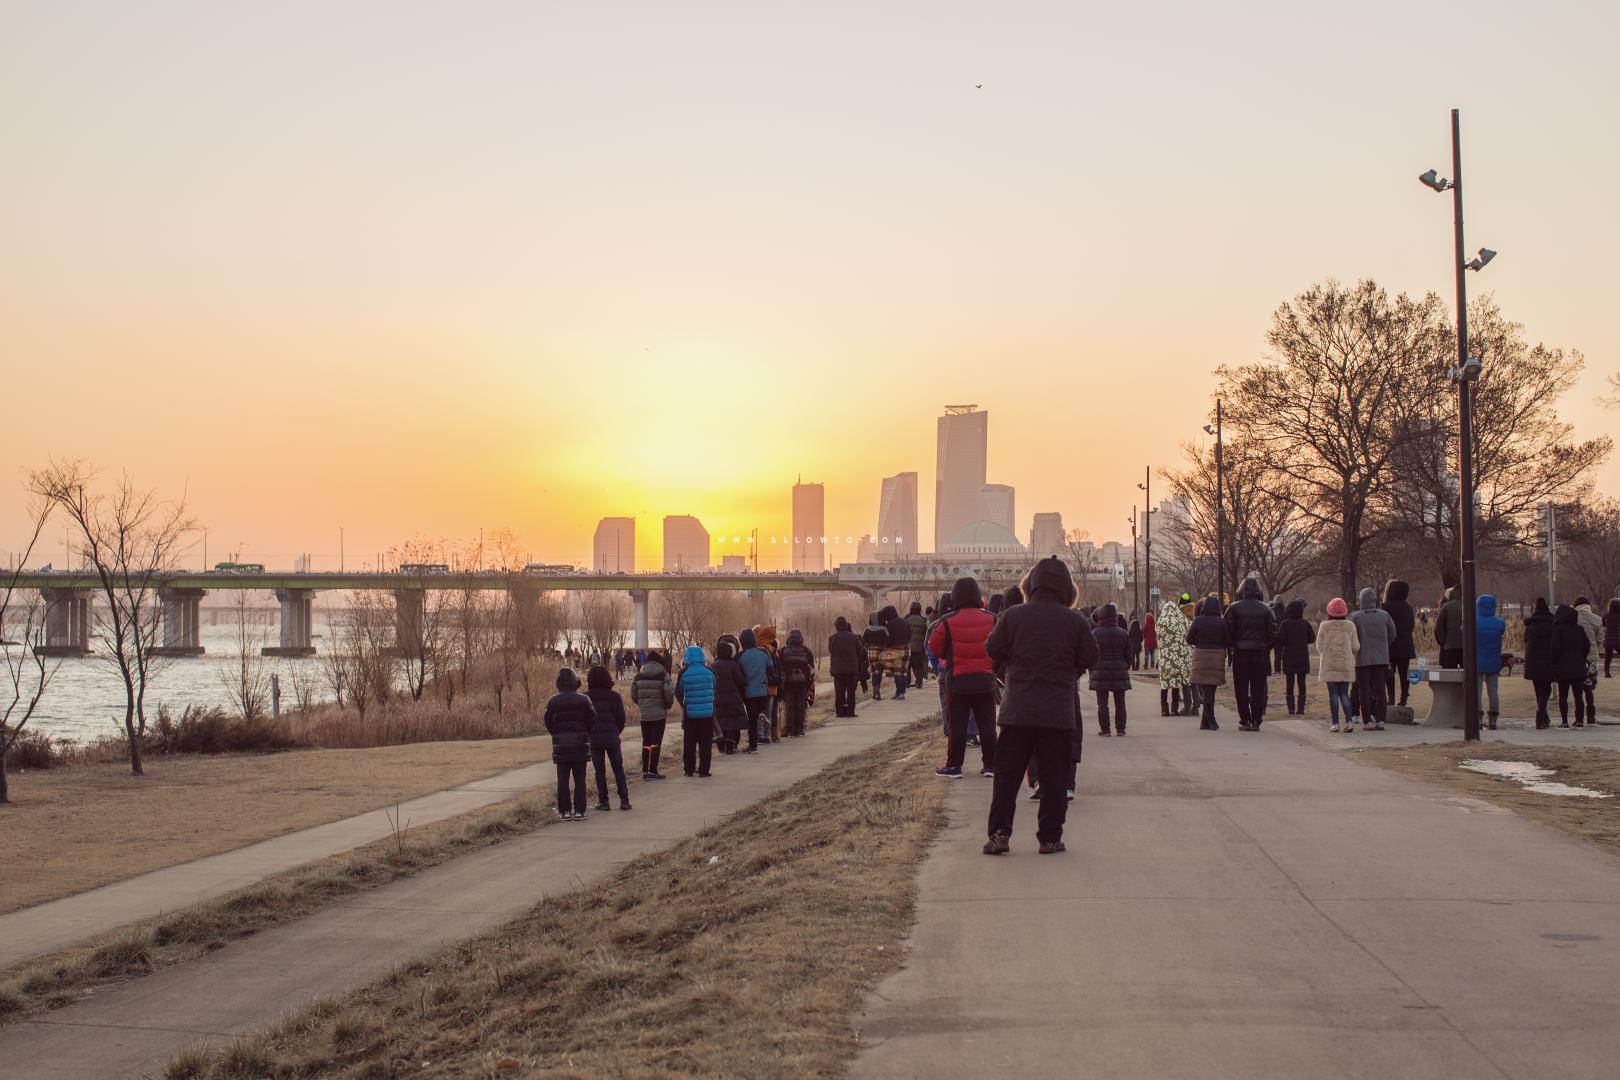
134, 1029
1247, 905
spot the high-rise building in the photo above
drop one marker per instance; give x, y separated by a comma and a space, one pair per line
614, 547
686, 544
809, 526
1046, 535
959, 470
897, 516
997, 500
734, 564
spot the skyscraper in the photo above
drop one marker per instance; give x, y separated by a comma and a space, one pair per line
1046, 535
897, 515
686, 544
809, 526
998, 505
959, 470
614, 547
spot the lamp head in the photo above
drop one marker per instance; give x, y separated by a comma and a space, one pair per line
1209, 429
1479, 261
1435, 182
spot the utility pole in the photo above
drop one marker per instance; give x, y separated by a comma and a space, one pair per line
1136, 581
1220, 510
1552, 551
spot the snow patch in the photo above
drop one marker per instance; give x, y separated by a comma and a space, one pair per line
1533, 777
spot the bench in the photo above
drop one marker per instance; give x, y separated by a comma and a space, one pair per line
1446, 708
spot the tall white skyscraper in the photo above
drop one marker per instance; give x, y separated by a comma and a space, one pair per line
959, 470
686, 544
897, 515
614, 547
809, 526
998, 505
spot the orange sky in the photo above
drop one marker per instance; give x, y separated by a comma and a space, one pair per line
419, 270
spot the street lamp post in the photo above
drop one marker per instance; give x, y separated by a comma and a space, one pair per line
1220, 506
1136, 580
1147, 526
1464, 375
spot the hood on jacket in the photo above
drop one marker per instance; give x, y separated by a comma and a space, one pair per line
965, 594
1014, 595
693, 657
747, 639
1250, 589
567, 680
1614, 606
1108, 615
1396, 589
841, 624
1296, 609
1540, 610
598, 678
1565, 614
916, 607
1052, 577
765, 635
726, 647
652, 669
1211, 605
1485, 606
1337, 608
1367, 599
946, 605
997, 602
1449, 594
889, 614
795, 636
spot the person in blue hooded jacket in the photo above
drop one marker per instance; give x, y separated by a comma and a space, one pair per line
1488, 631
757, 668
694, 689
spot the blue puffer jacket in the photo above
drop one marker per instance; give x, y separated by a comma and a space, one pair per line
1488, 631
695, 687
756, 664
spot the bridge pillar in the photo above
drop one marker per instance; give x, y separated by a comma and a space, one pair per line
67, 623
296, 624
408, 605
638, 604
181, 618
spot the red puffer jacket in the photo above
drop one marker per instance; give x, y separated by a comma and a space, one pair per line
958, 640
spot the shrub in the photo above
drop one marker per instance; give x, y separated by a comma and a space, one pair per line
214, 731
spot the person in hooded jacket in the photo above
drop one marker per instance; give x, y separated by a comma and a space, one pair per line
1489, 629
1448, 630
653, 692
899, 650
1376, 632
1254, 633
1174, 661
1541, 657
845, 654
765, 638
1279, 611
1403, 650
876, 639
1210, 636
1041, 648
798, 681
1111, 674
757, 667
1593, 625
1571, 648
694, 689
1611, 635
917, 643
607, 729
730, 686
1150, 641
1337, 644
568, 718
1133, 637
1295, 636
958, 639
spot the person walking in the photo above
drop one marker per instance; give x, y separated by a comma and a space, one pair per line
918, 643
1592, 623
1041, 648
1448, 630
1611, 636
845, 654
1174, 661
607, 731
1210, 636
1375, 631
1133, 636
1295, 636
694, 689
1403, 650
1337, 643
757, 667
899, 650
1111, 674
798, 681
958, 640
1571, 647
1541, 658
1150, 641
1489, 629
653, 692
876, 639
1253, 627
568, 719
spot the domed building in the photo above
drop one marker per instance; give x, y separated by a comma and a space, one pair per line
983, 538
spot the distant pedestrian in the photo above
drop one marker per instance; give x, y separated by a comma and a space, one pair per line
730, 686
1488, 633
958, 640
694, 689
1295, 636
1337, 644
1572, 647
845, 655
876, 639
1111, 673
1211, 639
798, 681
607, 731
1592, 623
653, 692
758, 667
1174, 660
1448, 630
568, 719
1611, 636
1541, 658
1403, 650
917, 643
765, 638
1376, 632
1150, 641
1133, 639
1278, 612
899, 655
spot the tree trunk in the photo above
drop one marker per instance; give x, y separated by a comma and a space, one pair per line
5, 785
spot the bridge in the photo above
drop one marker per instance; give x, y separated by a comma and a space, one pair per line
69, 595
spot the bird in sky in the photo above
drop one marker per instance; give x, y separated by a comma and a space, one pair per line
978, 86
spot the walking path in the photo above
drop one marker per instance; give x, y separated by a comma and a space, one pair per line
133, 1029
1248, 906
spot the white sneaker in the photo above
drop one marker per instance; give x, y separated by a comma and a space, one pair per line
1334, 729
990, 773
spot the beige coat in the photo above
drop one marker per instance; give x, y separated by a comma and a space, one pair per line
1337, 644
1208, 667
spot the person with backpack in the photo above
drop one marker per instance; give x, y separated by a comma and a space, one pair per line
653, 692
607, 730
1295, 637
568, 719
694, 689
758, 668
918, 643
968, 677
1111, 673
845, 654
798, 681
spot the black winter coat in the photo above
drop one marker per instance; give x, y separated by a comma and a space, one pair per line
1611, 629
569, 718
1041, 647
899, 632
1211, 632
1395, 594
609, 722
1295, 637
845, 653
730, 683
1254, 625
1540, 648
1570, 645
1112, 671
798, 666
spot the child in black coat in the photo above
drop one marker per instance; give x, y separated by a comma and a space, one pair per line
606, 730
569, 718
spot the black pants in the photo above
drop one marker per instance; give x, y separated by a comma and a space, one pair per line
1608, 654
759, 710
844, 694
1294, 687
1543, 695
604, 756
1563, 702
1136, 658
697, 749
1015, 747
982, 706
1451, 658
1276, 661
794, 704
1370, 685
919, 668
1398, 672
652, 745
574, 771
1249, 670
1119, 710
1583, 693
1206, 694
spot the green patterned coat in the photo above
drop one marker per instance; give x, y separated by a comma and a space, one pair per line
1175, 655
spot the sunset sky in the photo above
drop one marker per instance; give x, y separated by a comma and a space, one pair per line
412, 269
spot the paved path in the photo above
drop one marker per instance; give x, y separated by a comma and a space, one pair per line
135, 1028
1238, 905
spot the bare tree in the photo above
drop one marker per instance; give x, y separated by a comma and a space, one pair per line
22, 632
1591, 547
604, 620
247, 681
130, 539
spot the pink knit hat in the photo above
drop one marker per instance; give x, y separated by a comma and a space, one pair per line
1337, 608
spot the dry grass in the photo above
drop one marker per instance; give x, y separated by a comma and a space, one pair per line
330, 728
679, 965
1597, 820
74, 829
